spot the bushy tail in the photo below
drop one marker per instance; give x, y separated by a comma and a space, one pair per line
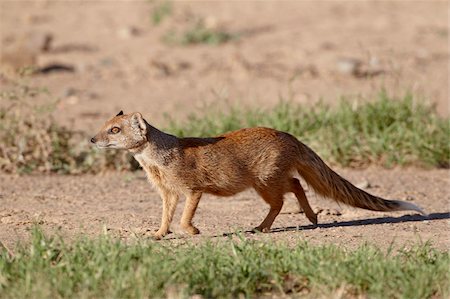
328, 183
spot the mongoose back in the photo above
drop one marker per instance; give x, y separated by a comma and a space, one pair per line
260, 158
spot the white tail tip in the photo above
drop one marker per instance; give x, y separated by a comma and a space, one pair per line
407, 206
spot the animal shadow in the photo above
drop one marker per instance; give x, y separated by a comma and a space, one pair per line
359, 222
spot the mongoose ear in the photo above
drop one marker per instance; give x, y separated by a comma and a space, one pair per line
138, 123
120, 113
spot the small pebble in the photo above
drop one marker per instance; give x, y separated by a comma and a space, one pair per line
409, 198
127, 32
348, 66
69, 92
363, 185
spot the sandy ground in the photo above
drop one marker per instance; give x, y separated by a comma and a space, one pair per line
126, 206
304, 51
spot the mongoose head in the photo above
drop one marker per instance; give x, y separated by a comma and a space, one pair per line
124, 131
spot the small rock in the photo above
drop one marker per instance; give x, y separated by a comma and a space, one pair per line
39, 197
211, 22
48, 64
328, 46
56, 67
374, 63
107, 61
127, 32
7, 220
348, 66
363, 185
409, 198
332, 212
168, 68
69, 92
336, 213
73, 100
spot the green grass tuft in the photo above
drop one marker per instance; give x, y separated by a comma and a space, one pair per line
161, 11
198, 33
108, 268
386, 132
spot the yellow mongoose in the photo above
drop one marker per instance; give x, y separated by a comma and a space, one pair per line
259, 158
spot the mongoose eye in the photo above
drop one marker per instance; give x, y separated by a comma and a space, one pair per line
114, 130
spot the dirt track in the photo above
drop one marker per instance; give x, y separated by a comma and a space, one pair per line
126, 205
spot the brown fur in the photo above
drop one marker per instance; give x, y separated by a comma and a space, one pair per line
259, 158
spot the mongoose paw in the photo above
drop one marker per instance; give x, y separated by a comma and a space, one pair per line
191, 230
262, 229
312, 218
158, 235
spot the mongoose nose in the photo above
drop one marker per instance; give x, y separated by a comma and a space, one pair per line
93, 140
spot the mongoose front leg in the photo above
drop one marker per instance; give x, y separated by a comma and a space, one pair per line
297, 189
190, 207
170, 201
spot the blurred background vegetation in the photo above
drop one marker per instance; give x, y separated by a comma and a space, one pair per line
385, 132
357, 92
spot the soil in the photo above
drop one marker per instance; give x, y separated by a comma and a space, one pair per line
125, 205
97, 58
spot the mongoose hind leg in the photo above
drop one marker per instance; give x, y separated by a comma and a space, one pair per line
276, 203
299, 192
190, 207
